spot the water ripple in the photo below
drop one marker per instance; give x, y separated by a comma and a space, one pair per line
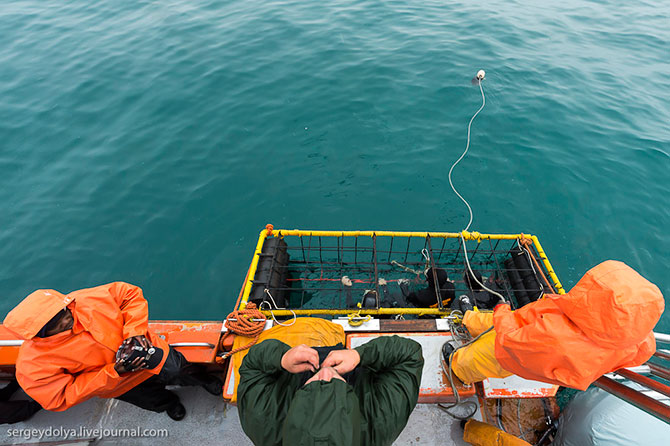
150, 141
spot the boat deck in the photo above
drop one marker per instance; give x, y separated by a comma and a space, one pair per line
306, 271
209, 421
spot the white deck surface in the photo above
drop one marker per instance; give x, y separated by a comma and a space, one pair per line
209, 421
433, 379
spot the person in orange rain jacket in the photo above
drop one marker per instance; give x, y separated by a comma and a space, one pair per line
69, 353
603, 324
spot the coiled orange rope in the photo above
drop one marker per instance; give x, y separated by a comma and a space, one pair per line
248, 322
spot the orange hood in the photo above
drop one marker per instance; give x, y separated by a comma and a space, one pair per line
613, 305
604, 323
28, 317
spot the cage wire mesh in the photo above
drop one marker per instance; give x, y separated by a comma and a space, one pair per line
315, 272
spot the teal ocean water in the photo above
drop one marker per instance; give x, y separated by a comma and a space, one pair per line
151, 141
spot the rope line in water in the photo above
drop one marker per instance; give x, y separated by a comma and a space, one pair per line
480, 77
465, 152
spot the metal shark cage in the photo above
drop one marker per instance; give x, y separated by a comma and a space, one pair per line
330, 272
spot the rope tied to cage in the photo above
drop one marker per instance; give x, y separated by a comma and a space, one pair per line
248, 322
355, 319
405, 268
272, 299
526, 242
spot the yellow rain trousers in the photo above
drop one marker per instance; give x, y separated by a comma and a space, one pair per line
311, 331
477, 361
602, 324
481, 434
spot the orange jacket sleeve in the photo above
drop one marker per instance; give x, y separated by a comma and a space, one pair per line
134, 308
57, 390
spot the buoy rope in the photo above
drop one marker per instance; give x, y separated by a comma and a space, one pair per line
474, 277
249, 322
448, 370
467, 147
451, 183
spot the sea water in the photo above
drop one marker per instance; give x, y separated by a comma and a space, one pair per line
151, 141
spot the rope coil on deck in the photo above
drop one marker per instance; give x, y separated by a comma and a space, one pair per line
249, 322
356, 319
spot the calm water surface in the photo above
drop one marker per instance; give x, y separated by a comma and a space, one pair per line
150, 141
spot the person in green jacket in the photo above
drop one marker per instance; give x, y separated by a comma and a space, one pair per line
361, 396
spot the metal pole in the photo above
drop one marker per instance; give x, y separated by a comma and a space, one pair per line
640, 369
662, 337
637, 399
374, 259
645, 381
659, 371
436, 284
663, 354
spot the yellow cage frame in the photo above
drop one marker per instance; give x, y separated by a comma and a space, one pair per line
467, 235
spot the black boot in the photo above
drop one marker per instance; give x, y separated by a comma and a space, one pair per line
447, 349
213, 385
176, 411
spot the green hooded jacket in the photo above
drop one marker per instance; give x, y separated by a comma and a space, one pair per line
275, 411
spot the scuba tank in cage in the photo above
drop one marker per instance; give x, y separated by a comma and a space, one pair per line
522, 277
271, 274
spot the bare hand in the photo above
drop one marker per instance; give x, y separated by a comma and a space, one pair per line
137, 364
325, 374
300, 359
343, 361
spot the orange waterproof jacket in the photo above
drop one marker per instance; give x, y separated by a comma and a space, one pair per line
68, 368
604, 323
